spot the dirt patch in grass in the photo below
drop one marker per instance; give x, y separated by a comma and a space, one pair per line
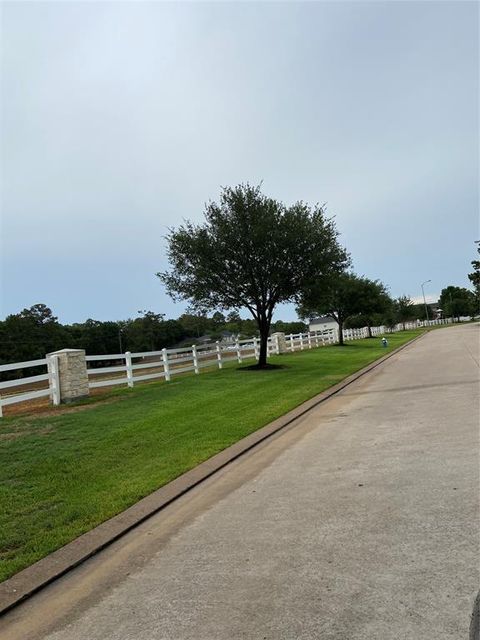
45, 409
11, 435
24, 430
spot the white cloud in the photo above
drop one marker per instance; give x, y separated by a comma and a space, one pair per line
430, 297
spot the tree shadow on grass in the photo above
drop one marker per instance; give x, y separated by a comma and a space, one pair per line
266, 367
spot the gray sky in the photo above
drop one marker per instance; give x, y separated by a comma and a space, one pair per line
121, 119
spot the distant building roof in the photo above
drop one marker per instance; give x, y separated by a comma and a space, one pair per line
322, 320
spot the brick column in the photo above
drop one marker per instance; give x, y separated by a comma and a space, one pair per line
72, 373
282, 343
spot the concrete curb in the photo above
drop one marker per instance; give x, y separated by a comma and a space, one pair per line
475, 621
28, 581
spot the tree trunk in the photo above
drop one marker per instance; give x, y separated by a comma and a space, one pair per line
262, 358
369, 331
264, 329
340, 333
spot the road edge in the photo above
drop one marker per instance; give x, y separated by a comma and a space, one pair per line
28, 581
475, 621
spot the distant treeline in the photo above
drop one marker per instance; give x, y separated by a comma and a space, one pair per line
33, 332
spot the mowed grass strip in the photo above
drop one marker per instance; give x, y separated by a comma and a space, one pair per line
61, 475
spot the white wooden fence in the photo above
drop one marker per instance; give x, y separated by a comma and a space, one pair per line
131, 368
149, 365
20, 395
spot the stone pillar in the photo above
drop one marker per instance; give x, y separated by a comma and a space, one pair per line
280, 339
72, 373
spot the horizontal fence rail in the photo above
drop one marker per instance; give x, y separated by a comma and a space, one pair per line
132, 368
28, 388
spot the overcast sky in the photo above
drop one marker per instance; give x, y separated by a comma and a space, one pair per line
121, 119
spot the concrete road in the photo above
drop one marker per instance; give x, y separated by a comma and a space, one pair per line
360, 522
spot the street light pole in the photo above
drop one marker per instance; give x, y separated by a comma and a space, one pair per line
424, 301
120, 338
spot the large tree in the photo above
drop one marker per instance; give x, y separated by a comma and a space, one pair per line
343, 296
404, 309
251, 252
377, 303
195, 324
152, 332
97, 337
457, 301
474, 278
30, 334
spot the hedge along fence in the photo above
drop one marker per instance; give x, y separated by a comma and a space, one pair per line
68, 374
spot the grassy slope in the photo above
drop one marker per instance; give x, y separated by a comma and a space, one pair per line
60, 475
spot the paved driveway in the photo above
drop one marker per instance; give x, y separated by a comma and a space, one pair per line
361, 522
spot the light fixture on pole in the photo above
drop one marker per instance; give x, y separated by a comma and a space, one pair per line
424, 301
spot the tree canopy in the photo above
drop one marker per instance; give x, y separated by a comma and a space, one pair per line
457, 301
474, 278
251, 252
342, 296
404, 309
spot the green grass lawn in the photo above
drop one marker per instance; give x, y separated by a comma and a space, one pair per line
63, 473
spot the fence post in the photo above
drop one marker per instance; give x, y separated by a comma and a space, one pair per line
239, 353
279, 342
301, 341
54, 381
219, 355
166, 367
128, 366
255, 346
292, 346
195, 358
309, 337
